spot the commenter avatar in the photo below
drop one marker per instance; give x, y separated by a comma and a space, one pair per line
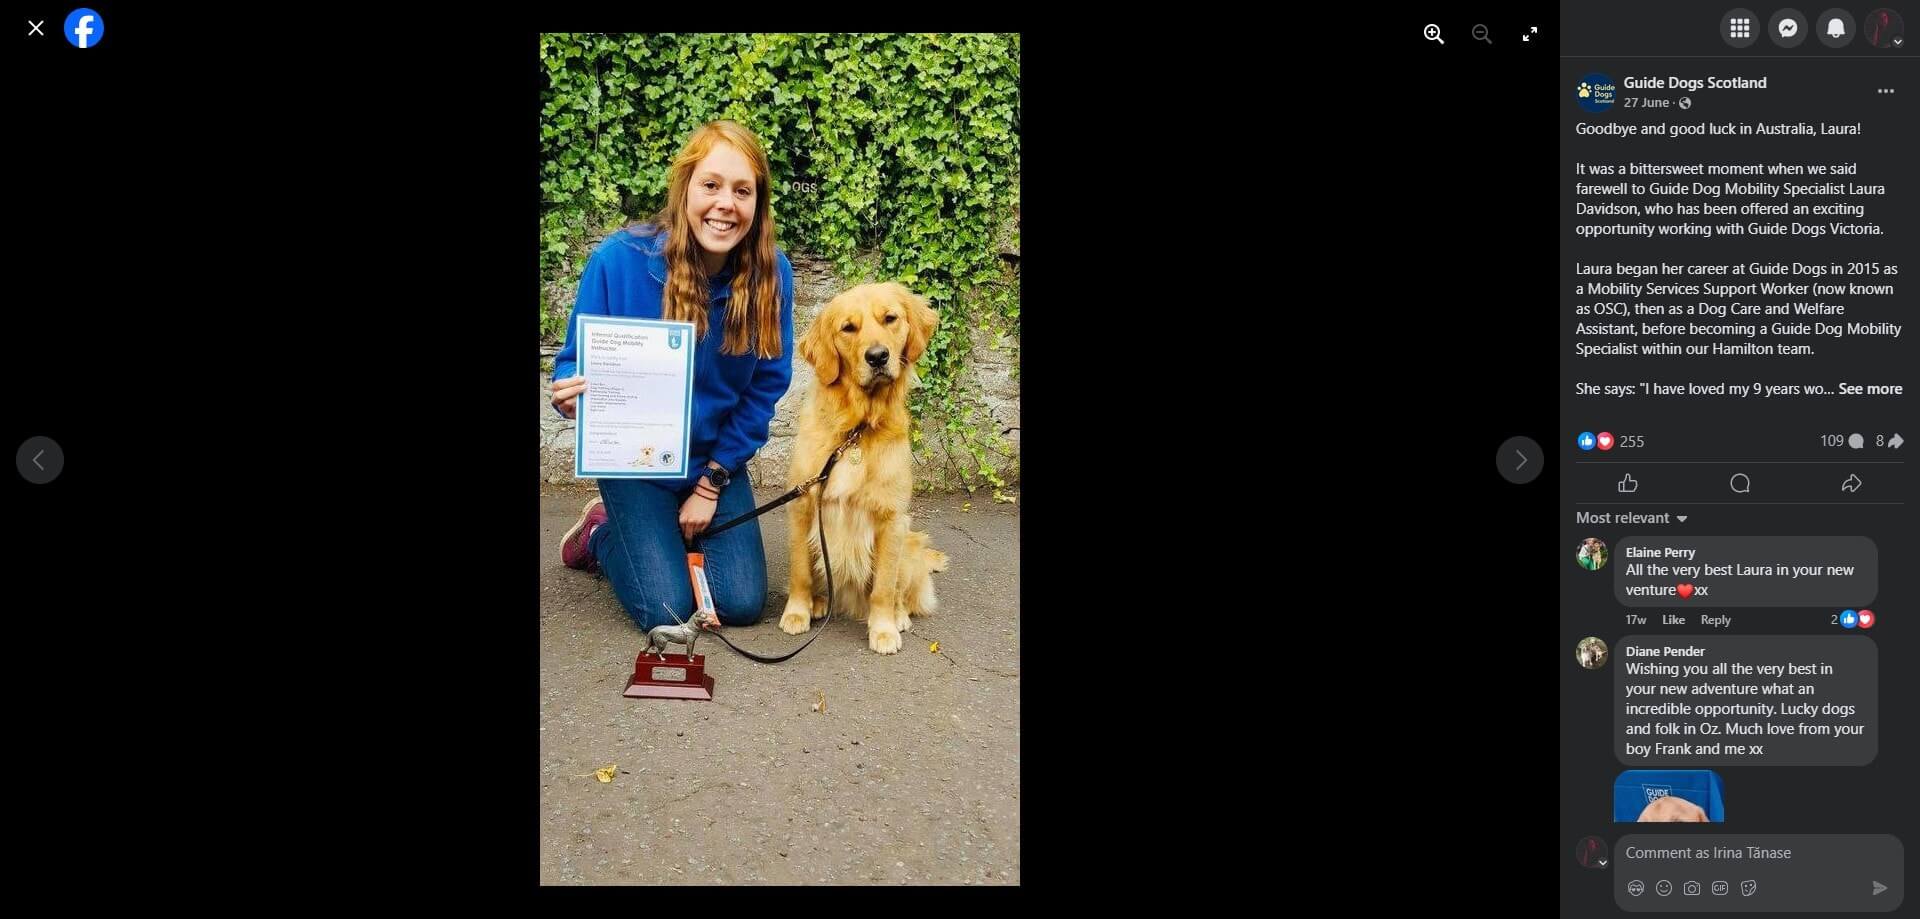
1592, 554
1591, 653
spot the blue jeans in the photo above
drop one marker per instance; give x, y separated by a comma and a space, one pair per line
642, 554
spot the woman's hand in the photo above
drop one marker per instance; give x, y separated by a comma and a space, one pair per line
566, 394
695, 514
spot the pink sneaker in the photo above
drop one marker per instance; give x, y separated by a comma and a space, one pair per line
573, 546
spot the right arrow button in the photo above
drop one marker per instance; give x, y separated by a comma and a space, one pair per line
1520, 460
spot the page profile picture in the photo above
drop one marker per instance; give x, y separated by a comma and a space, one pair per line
1594, 92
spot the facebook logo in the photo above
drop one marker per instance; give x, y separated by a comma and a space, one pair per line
84, 28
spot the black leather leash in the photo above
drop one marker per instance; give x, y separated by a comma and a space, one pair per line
693, 545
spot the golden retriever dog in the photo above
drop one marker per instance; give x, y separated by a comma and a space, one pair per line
862, 347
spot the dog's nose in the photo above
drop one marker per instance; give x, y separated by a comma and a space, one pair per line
877, 357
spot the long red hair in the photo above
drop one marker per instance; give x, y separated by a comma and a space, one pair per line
753, 308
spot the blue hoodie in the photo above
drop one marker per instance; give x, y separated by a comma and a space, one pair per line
733, 394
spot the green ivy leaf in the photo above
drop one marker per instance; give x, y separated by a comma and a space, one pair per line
912, 141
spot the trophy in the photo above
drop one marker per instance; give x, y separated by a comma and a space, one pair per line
658, 675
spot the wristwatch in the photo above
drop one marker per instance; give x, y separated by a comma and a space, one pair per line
719, 477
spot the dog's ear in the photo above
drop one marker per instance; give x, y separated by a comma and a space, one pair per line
817, 347
921, 323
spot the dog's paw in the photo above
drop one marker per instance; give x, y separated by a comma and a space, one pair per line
819, 607
883, 640
795, 619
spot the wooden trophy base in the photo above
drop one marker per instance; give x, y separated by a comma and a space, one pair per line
670, 676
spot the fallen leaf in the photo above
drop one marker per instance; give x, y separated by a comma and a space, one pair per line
935, 647
605, 775
821, 706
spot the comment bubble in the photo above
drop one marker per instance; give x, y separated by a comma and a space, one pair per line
1696, 701
1737, 571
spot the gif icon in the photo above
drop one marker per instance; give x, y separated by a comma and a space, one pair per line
85, 28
